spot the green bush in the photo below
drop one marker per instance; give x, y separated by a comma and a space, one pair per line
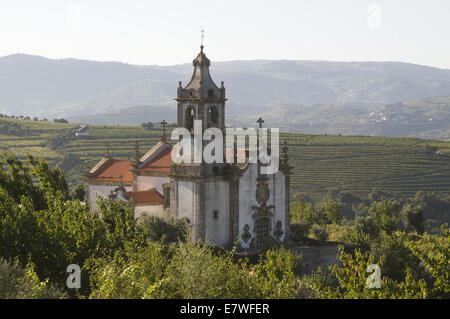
299, 231
191, 271
384, 214
23, 283
319, 232
166, 230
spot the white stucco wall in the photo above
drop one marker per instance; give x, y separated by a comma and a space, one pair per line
217, 195
103, 191
184, 202
148, 182
247, 200
151, 210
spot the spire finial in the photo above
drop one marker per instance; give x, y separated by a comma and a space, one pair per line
202, 36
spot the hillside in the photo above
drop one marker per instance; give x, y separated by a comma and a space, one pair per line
424, 118
322, 163
34, 85
325, 97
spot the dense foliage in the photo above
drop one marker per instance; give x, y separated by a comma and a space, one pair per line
44, 228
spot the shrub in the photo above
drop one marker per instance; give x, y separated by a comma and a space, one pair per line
385, 214
413, 218
23, 283
367, 226
319, 232
299, 231
329, 211
166, 230
302, 212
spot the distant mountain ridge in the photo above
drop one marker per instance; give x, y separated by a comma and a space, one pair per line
94, 91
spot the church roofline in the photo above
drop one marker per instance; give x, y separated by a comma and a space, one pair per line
149, 196
201, 84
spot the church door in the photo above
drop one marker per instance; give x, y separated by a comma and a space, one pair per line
262, 232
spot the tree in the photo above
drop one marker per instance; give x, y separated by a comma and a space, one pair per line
412, 217
302, 212
60, 121
39, 221
168, 231
385, 214
187, 270
78, 192
330, 210
147, 125
23, 283
367, 225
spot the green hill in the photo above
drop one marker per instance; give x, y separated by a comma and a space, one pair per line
323, 163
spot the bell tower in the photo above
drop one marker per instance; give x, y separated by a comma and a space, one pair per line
200, 192
201, 99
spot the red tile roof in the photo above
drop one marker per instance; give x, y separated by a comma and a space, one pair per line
112, 171
150, 196
160, 163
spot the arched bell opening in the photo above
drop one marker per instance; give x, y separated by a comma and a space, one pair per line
212, 116
189, 118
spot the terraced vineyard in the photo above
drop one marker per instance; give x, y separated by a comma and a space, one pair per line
22, 137
322, 163
360, 164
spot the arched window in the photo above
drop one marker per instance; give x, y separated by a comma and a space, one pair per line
213, 116
189, 118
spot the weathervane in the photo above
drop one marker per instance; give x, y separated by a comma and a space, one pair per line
202, 35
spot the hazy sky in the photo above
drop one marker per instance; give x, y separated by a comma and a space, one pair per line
167, 32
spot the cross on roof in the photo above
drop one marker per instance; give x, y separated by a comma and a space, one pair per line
163, 123
107, 154
260, 121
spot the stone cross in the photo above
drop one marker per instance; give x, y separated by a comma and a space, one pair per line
163, 137
260, 121
136, 155
107, 154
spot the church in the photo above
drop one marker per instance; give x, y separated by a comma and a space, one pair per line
225, 204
